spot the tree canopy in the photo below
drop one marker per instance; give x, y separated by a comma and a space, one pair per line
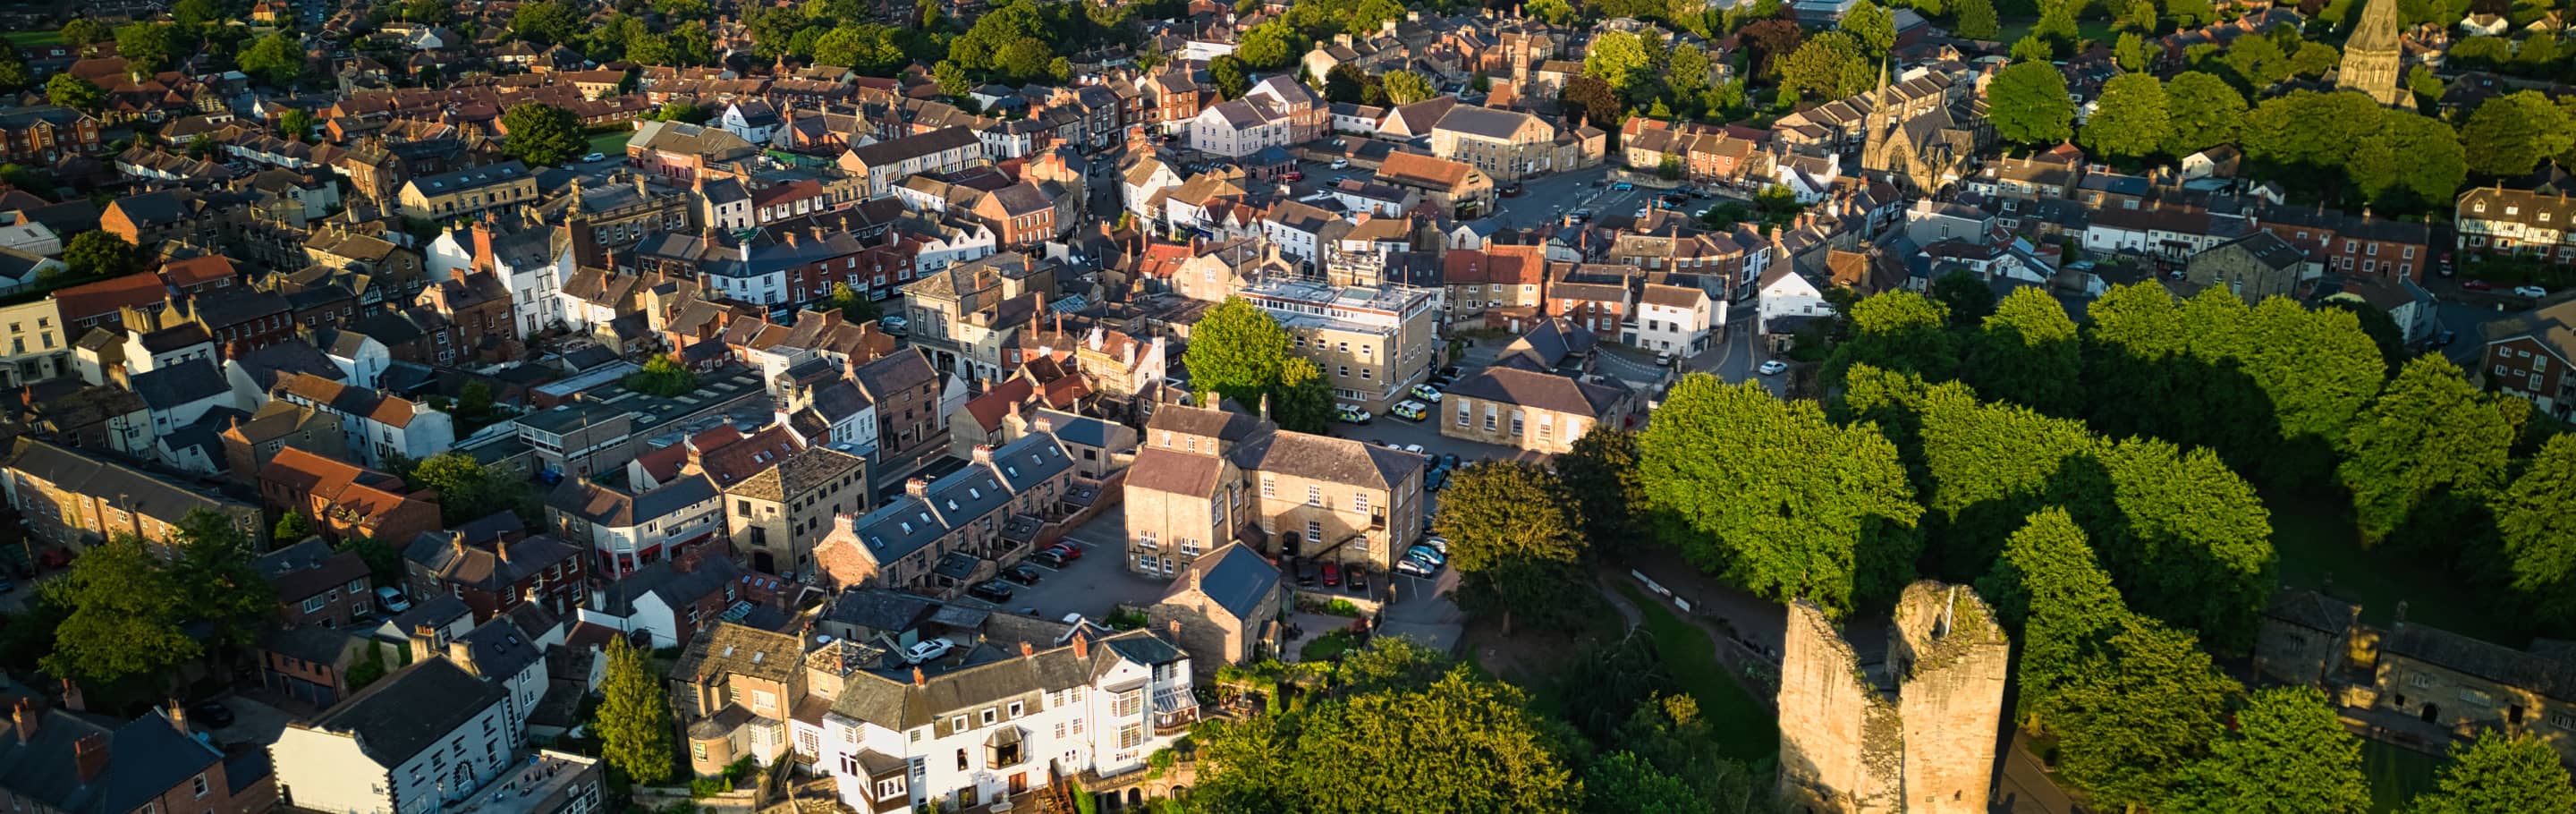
2500, 773
634, 716
1516, 540
2027, 103
541, 134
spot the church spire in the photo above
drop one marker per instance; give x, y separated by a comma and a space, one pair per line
1874, 128
2374, 54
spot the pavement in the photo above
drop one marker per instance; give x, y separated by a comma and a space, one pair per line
1090, 586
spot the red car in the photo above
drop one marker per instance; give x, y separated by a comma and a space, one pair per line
2477, 285
1292, 175
1068, 552
1332, 574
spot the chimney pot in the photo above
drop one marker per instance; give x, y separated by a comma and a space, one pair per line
1027, 649
26, 716
1081, 647
89, 754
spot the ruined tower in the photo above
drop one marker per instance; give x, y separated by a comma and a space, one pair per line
2373, 56
1913, 731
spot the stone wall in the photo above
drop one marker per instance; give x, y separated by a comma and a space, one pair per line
1919, 738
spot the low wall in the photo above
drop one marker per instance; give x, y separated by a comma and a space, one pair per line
740, 801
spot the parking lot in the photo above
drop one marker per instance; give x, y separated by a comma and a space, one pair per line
1090, 586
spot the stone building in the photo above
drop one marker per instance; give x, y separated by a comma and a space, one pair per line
1224, 607
2254, 267
2373, 56
777, 515
1512, 405
1210, 476
2304, 636
1915, 732
2467, 685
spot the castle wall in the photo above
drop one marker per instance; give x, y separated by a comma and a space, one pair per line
1846, 747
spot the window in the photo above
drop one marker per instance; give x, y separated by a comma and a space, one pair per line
1359, 502
313, 605
961, 760
989, 715
1463, 412
1131, 736
698, 750
1015, 709
2419, 680
1314, 495
957, 724
200, 787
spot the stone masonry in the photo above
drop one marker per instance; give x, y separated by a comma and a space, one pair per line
1916, 734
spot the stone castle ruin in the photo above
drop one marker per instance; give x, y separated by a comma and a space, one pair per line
1912, 729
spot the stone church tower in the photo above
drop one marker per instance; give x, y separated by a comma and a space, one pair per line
1920, 151
1914, 732
2373, 56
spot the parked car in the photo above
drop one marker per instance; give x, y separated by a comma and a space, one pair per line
1068, 551
211, 714
1437, 543
1773, 368
1023, 575
894, 325
1332, 574
1435, 480
1664, 359
990, 592
1425, 393
1049, 559
391, 600
2478, 285
1622, 186
1410, 410
1292, 175
1427, 554
1449, 461
1341, 163
1306, 572
1418, 450
594, 157
1411, 567
1348, 414
1357, 577
927, 650
2532, 292
1512, 190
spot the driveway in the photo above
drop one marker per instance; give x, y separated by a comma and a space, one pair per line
1090, 586
253, 722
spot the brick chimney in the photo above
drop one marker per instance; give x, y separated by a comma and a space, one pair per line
983, 454
1028, 650
424, 642
72, 699
178, 714
90, 754
462, 653
917, 487
1081, 647
27, 717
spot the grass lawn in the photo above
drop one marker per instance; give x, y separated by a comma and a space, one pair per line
1748, 729
2316, 543
24, 39
2396, 774
611, 143
1328, 646
2011, 31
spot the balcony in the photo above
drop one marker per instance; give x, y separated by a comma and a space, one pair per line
1175, 709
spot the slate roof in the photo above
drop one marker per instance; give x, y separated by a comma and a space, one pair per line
1234, 577
726, 648
411, 709
899, 703
880, 610
499, 648
194, 380
665, 581
1537, 390
309, 567
470, 178
477, 566
2494, 662
147, 757
2312, 610
137, 492
1345, 461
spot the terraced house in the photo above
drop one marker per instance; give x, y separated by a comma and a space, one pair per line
1208, 476
944, 535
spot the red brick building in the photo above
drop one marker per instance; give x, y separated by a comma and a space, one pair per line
340, 500
2355, 245
46, 134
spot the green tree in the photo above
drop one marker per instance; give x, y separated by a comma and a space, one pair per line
2048, 588
1515, 538
85, 30
1344, 83
2130, 119
2314, 59
1872, 26
2499, 773
2130, 52
2028, 353
291, 528
1231, 77
2481, 51
2129, 725
74, 92
466, 491
1966, 296
547, 21
217, 580
1407, 87
634, 722
1235, 351
2203, 111
1619, 58
102, 254
2512, 133
541, 134
296, 124
2258, 61
661, 376
148, 46
196, 13
14, 75
1900, 331
1776, 498
1271, 46
1592, 100
1830, 65
1464, 745
2033, 49
2429, 436
1555, 12
854, 307
1977, 19
1302, 401
2426, 85
384, 561
1600, 472
124, 622
2027, 103
2535, 518
2288, 755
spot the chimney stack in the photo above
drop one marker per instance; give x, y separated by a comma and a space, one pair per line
424, 639
90, 755
72, 699
983, 454
1081, 647
917, 487
179, 717
1028, 650
27, 716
